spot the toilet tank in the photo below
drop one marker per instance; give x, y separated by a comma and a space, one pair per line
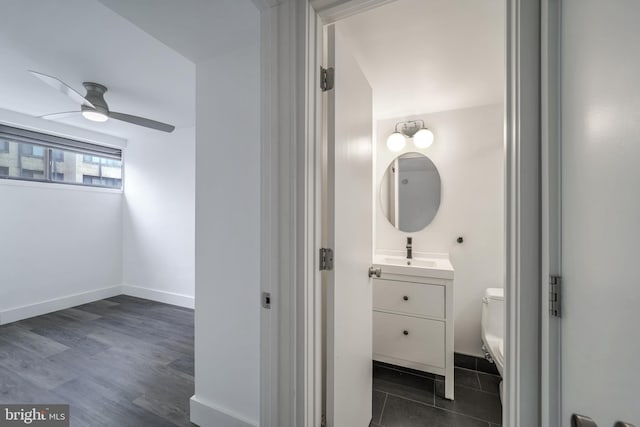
493, 313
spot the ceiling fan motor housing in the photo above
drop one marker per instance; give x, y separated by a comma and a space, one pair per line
95, 95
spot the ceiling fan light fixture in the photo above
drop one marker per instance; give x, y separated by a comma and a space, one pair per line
94, 116
93, 105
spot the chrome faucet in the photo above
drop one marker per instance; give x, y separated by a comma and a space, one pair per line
409, 248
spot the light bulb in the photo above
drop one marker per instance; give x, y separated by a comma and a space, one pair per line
423, 138
396, 141
94, 116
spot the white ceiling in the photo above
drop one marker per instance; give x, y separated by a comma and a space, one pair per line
423, 56
82, 40
198, 29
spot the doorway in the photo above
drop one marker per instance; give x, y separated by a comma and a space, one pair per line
433, 70
292, 57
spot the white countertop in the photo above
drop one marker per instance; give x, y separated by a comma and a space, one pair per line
424, 264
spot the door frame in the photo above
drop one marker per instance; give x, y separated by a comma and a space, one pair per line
291, 156
551, 181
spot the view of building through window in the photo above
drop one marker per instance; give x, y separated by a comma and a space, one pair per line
20, 160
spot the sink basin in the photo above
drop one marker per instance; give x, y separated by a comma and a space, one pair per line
417, 262
436, 266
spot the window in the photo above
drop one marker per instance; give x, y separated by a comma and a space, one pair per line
102, 181
31, 150
58, 155
32, 174
100, 161
36, 156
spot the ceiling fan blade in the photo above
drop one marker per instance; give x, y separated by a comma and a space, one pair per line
141, 121
60, 86
59, 115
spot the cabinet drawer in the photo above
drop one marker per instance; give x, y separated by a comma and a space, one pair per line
411, 298
423, 343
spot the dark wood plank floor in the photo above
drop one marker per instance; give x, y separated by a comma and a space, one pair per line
121, 361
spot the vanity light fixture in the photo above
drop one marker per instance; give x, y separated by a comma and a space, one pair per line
396, 141
415, 129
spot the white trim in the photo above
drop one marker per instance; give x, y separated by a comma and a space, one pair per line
331, 11
56, 304
58, 186
280, 262
209, 415
312, 400
522, 294
157, 295
287, 221
263, 5
551, 403
69, 301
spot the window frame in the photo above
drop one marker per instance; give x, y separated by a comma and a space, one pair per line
52, 144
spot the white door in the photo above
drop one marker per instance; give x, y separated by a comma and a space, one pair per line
349, 233
600, 139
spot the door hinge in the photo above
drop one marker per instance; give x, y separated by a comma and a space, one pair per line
323, 421
266, 300
555, 296
326, 259
326, 78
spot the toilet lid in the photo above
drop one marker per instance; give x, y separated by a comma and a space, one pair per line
494, 293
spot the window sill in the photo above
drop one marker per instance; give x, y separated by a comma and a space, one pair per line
58, 186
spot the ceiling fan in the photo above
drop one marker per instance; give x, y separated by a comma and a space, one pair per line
93, 106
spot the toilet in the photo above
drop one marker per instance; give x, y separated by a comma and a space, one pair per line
493, 328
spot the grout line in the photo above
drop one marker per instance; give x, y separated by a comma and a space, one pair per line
386, 396
441, 408
434, 393
474, 389
465, 369
412, 400
477, 370
465, 415
415, 374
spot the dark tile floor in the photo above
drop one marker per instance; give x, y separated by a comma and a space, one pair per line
122, 361
407, 398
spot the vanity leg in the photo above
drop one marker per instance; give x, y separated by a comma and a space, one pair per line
449, 348
448, 385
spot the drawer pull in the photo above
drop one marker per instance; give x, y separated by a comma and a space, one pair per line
405, 332
406, 298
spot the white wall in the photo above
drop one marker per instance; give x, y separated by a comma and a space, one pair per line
227, 349
60, 245
159, 217
469, 154
600, 210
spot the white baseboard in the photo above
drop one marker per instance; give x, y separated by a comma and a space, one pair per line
159, 296
210, 415
44, 307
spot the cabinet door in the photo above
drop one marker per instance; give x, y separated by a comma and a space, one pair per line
411, 298
409, 338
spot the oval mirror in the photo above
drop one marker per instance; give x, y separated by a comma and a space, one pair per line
410, 192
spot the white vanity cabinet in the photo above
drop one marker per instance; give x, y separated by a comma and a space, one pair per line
413, 323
